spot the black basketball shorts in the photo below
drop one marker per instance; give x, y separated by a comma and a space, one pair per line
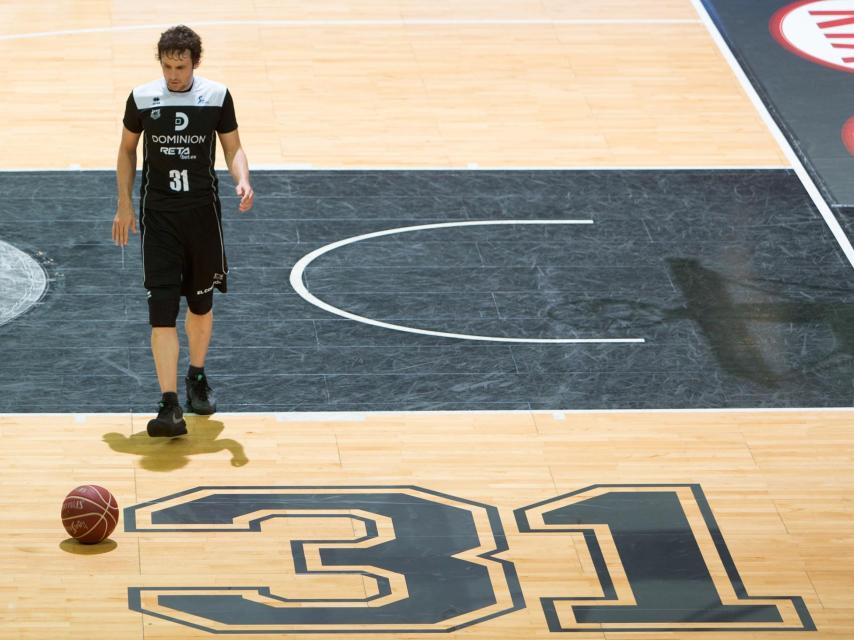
184, 249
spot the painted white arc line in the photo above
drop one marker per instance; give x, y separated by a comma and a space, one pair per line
296, 280
23, 282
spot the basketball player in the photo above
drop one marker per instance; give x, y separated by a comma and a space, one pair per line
180, 213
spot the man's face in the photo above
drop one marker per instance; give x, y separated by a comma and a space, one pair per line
177, 70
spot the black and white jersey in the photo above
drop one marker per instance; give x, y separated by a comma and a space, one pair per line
179, 140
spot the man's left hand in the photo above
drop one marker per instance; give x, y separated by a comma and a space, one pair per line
247, 195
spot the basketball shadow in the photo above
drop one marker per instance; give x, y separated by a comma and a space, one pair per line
168, 454
70, 545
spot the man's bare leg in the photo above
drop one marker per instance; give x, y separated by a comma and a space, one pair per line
199, 329
169, 421
164, 348
200, 397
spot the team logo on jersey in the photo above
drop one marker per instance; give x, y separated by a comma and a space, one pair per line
202, 100
818, 30
181, 121
155, 114
181, 152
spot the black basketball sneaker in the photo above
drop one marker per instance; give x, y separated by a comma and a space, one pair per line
169, 422
200, 397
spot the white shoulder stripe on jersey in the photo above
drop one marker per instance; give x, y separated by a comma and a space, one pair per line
204, 93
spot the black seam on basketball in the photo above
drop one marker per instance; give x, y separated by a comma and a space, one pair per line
86, 533
82, 515
101, 504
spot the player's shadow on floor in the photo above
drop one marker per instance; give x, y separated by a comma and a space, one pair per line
748, 337
168, 454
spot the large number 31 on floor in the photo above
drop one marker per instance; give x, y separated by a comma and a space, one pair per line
425, 559
661, 561
429, 560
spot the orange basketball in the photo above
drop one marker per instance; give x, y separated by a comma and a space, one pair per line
90, 513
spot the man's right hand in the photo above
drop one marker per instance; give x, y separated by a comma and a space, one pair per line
125, 219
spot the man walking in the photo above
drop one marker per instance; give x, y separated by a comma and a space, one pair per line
180, 213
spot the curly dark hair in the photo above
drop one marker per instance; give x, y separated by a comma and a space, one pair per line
178, 39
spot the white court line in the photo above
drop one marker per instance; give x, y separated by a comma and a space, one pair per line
801, 172
298, 285
472, 166
476, 167
356, 416
400, 22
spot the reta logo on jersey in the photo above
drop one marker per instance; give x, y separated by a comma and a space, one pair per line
181, 152
821, 31
181, 121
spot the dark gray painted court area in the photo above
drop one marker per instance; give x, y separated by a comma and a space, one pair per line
739, 289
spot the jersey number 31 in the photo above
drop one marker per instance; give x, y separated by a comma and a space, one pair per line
179, 180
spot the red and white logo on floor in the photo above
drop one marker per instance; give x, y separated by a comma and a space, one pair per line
819, 30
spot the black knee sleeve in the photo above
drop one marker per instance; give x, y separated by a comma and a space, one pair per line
163, 305
200, 305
